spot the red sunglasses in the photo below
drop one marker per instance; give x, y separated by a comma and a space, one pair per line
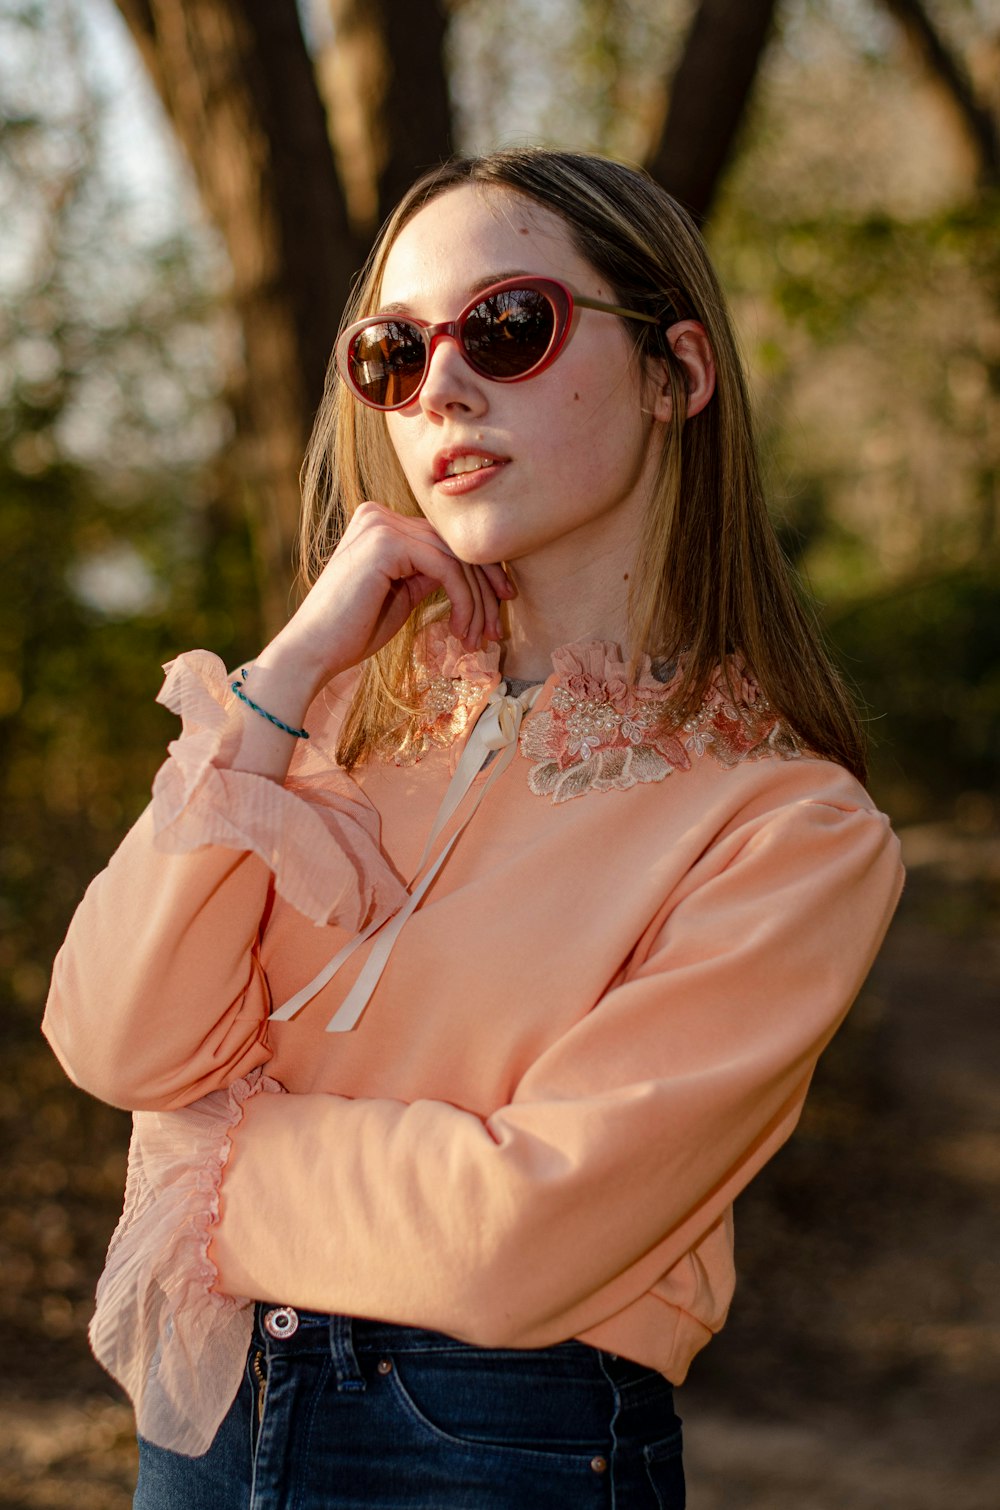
508, 332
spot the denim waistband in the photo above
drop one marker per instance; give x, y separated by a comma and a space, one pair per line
345, 1337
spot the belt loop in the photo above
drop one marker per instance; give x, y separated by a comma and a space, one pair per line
345, 1363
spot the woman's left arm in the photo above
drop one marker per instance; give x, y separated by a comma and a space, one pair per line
622, 1145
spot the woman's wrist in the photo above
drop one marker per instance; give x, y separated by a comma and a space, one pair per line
275, 692
289, 665
238, 687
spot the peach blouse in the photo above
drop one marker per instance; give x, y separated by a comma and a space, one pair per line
522, 1112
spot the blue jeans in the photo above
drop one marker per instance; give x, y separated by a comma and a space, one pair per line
344, 1414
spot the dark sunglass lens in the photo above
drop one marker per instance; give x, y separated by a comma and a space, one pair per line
387, 362
509, 333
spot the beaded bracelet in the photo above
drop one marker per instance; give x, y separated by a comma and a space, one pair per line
237, 688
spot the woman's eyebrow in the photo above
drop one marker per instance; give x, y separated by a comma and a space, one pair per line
487, 281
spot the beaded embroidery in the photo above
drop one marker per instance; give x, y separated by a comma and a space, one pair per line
446, 706
450, 683
603, 733
600, 732
741, 729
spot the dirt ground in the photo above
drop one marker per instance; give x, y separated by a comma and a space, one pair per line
860, 1369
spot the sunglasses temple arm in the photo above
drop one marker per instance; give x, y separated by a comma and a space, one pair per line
614, 309
671, 317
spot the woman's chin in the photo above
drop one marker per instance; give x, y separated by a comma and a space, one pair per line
487, 550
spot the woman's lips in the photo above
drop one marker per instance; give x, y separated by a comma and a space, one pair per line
453, 483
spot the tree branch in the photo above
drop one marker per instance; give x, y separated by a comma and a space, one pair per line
708, 98
977, 122
387, 95
417, 104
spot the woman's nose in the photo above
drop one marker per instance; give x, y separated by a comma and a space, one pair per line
450, 382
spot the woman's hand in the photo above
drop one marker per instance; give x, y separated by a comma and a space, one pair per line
385, 565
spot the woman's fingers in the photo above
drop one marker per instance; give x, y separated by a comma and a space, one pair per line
473, 591
483, 584
499, 581
491, 604
476, 627
434, 559
385, 565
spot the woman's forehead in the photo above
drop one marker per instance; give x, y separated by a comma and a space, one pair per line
469, 237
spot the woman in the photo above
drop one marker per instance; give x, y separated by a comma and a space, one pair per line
530, 857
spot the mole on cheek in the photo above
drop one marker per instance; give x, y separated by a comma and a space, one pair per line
576, 397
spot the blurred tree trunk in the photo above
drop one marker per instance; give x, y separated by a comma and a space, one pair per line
417, 110
948, 71
982, 131
243, 97
708, 98
238, 85
384, 81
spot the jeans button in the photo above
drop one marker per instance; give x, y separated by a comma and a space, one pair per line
281, 1322
599, 1464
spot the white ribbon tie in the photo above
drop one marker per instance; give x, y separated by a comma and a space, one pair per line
496, 729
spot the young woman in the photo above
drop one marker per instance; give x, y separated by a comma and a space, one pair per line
483, 933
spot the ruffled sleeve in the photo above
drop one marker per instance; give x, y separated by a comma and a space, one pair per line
316, 834
158, 994
175, 1346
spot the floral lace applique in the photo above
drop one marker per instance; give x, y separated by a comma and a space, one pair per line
742, 728
603, 733
450, 684
600, 731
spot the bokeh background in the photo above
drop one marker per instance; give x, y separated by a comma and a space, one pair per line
186, 187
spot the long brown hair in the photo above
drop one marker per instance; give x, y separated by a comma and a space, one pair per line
710, 577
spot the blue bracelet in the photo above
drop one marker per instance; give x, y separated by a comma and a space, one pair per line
287, 728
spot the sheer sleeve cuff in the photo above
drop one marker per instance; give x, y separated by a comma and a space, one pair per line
316, 833
176, 1346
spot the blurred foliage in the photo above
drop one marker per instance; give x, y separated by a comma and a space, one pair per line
113, 559
586, 73
122, 540
863, 262
927, 658
875, 345
79, 729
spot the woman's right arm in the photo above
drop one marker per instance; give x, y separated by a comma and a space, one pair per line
158, 996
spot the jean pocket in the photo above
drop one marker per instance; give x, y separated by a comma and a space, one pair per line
514, 1402
665, 1470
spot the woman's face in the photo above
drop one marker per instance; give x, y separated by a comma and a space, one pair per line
570, 454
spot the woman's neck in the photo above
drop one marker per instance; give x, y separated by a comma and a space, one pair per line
546, 615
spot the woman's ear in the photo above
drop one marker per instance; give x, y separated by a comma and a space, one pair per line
690, 345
